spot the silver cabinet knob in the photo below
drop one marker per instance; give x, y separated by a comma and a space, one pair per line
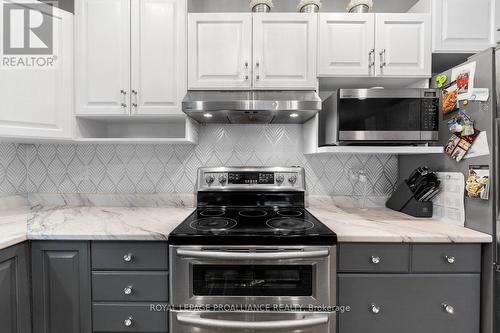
123, 92
374, 308
209, 179
127, 290
280, 179
127, 257
128, 322
449, 259
375, 259
448, 308
292, 179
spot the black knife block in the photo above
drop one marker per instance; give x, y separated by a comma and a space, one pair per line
402, 200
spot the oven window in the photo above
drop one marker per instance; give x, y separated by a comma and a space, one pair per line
252, 280
379, 114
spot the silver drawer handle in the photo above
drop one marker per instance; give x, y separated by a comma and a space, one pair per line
449, 259
128, 322
376, 259
252, 255
196, 320
374, 308
127, 290
448, 308
127, 257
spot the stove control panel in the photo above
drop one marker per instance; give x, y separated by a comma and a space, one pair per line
283, 178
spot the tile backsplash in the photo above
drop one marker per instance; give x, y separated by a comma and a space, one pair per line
13, 172
84, 168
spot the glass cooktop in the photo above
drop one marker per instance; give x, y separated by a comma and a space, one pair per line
248, 226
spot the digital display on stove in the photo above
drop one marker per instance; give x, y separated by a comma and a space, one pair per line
266, 178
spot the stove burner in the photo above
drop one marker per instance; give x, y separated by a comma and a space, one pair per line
212, 212
289, 212
252, 213
289, 224
213, 224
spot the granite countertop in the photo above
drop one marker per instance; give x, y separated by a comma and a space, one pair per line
155, 223
385, 225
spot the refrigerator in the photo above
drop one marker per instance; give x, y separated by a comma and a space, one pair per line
481, 215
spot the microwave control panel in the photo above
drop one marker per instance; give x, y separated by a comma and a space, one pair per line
430, 114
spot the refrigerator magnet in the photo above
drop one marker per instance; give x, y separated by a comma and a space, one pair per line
477, 185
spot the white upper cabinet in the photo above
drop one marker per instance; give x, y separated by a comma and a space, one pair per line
463, 25
403, 45
284, 50
102, 57
158, 57
131, 57
220, 50
37, 100
346, 44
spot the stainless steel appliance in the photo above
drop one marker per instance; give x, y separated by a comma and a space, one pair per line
481, 215
251, 257
251, 107
355, 116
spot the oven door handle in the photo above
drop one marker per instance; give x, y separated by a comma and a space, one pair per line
252, 255
196, 320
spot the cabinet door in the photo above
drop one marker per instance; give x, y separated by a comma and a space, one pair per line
284, 51
391, 303
61, 287
463, 25
403, 45
15, 316
346, 44
158, 56
37, 99
219, 50
102, 57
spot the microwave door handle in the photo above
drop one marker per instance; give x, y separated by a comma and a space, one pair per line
196, 320
221, 255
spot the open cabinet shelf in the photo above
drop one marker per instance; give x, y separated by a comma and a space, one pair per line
399, 150
177, 130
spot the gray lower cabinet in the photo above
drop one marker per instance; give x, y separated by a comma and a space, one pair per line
413, 288
61, 287
15, 314
412, 303
129, 317
128, 278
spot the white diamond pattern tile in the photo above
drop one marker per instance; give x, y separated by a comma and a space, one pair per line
172, 168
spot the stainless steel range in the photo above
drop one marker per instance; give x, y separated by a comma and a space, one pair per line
251, 257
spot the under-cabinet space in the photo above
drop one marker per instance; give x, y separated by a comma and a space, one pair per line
141, 130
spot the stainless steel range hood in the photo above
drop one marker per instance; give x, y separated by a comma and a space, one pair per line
251, 107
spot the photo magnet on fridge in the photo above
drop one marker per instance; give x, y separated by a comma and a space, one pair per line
478, 182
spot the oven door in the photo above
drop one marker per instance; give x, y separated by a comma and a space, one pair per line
248, 322
380, 115
215, 275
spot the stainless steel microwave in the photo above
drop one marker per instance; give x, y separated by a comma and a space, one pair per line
376, 116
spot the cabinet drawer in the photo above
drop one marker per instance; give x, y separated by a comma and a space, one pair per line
129, 256
413, 303
130, 286
446, 258
373, 257
112, 317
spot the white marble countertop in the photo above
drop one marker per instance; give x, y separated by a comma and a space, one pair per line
155, 223
385, 225
105, 223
